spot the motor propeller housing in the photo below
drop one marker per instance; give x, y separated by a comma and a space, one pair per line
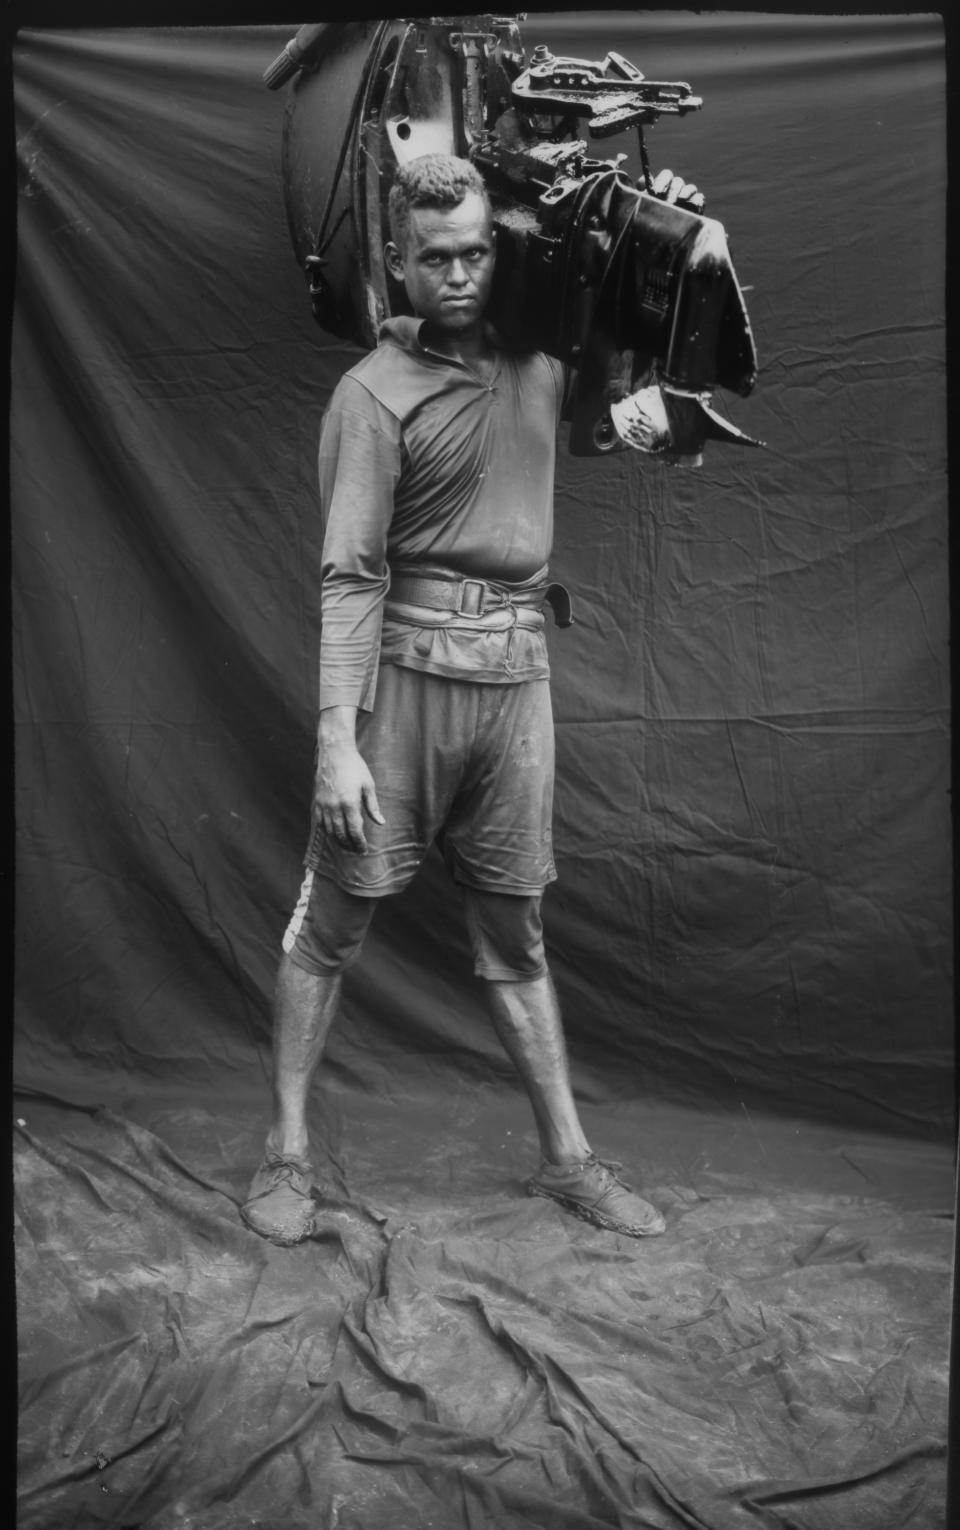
595, 269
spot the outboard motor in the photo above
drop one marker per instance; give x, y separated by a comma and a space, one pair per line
598, 270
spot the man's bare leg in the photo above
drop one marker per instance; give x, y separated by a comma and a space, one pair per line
304, 1008
279, 1205
526, 1016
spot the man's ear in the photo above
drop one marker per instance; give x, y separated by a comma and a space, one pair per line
394, 260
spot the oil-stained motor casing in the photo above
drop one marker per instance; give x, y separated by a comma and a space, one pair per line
591, 267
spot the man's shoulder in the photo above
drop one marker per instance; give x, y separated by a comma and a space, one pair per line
541, 379
386, 375
540, 361
398, 377
530, 363
368, 389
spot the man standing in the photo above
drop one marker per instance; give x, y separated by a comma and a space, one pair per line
436, 478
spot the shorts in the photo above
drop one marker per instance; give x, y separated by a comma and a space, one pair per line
327, 930
465, 763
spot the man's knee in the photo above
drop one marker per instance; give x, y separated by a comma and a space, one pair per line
328, 927
506, 934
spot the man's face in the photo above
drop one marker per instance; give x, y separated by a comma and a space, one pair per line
446, 264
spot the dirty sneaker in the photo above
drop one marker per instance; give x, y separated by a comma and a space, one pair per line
593, 1190
279, 1205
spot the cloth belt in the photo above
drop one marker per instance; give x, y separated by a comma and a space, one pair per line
450, 591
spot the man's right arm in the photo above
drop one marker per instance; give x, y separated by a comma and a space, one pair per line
359, 464
344, 789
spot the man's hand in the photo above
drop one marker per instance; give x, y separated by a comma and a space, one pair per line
344, 789
675, 190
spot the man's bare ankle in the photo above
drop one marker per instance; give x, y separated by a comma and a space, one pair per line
567, 1154
280, 1144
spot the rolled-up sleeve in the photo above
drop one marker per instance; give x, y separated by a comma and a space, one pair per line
359, 464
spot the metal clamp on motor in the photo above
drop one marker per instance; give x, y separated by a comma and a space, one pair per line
612, 94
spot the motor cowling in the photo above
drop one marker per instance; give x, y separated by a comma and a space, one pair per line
593, 268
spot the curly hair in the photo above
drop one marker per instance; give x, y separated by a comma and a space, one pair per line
432, 180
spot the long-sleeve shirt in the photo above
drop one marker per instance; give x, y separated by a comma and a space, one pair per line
424, 462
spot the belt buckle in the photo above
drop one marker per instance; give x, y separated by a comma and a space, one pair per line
472, 592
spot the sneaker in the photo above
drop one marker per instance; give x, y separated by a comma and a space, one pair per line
593, 1190
279, 1205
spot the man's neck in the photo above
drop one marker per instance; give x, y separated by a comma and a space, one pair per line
469, 346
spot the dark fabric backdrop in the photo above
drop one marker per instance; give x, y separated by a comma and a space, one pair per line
752, 819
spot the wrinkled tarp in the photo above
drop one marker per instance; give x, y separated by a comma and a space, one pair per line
751, 930
449, 1352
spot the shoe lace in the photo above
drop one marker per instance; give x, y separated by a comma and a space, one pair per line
610, 1167
283, 1168
613, 1167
